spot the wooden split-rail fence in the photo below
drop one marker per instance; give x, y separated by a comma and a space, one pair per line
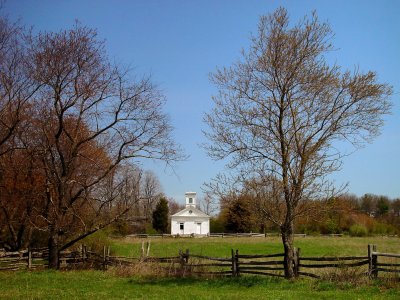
236, 264
273, 264
225, 235
38, 259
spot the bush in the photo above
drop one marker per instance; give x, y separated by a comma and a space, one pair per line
149, 229
332, 226
216, 225
98, 240
381, 228
358, 230
308, 229
121, 228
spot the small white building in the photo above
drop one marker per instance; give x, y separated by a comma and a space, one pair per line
191, 220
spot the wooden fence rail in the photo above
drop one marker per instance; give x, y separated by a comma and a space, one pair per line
186, 263
227, 235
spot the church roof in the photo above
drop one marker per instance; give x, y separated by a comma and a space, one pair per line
190, 211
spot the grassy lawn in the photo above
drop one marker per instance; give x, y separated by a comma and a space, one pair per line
106, 285
221, 247
117, 284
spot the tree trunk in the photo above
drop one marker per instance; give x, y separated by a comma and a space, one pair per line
54, 262
287, 239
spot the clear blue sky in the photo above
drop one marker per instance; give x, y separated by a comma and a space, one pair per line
181, 42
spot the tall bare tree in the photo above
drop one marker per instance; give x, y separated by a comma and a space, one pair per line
281, 108
174, 206
16, 88
90, 117
151, 193
208, 204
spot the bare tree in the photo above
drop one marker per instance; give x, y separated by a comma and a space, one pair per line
16, 88
174, 206
282, 108
129, 188
151, 193
90, 117
208, 204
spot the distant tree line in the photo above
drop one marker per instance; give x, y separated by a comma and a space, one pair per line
368, 214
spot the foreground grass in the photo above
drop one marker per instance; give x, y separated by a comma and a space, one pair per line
111, 285
106, 285
310, 246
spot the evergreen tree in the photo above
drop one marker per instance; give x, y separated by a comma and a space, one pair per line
239, 217
160, 216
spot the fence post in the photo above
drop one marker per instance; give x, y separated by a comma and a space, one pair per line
182, 261
104, 258
29, 258
296, 262
233, 263
370, 260
182, 258
142, 250
187, 256
237, 263
108, 256
148, 248
84, 253
374, 262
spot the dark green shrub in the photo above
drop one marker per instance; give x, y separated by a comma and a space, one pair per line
121, 228
358, 230
332, 226
381, 228
149, 229
98, 240
216, 225
160, 216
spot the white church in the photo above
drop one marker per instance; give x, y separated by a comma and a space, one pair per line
191, 220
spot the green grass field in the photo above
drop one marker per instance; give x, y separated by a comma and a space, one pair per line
221, 247
119, 285
105, 285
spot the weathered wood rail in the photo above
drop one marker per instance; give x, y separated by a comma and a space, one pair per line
193, 264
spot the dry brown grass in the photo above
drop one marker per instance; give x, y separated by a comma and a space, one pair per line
147, 269
352, 276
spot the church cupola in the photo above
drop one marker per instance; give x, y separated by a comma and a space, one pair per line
190, 199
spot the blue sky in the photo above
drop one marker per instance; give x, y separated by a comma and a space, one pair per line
180, 42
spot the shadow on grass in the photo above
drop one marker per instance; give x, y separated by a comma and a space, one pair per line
247, 281
270, 282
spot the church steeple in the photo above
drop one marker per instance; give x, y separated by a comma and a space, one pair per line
190, 199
